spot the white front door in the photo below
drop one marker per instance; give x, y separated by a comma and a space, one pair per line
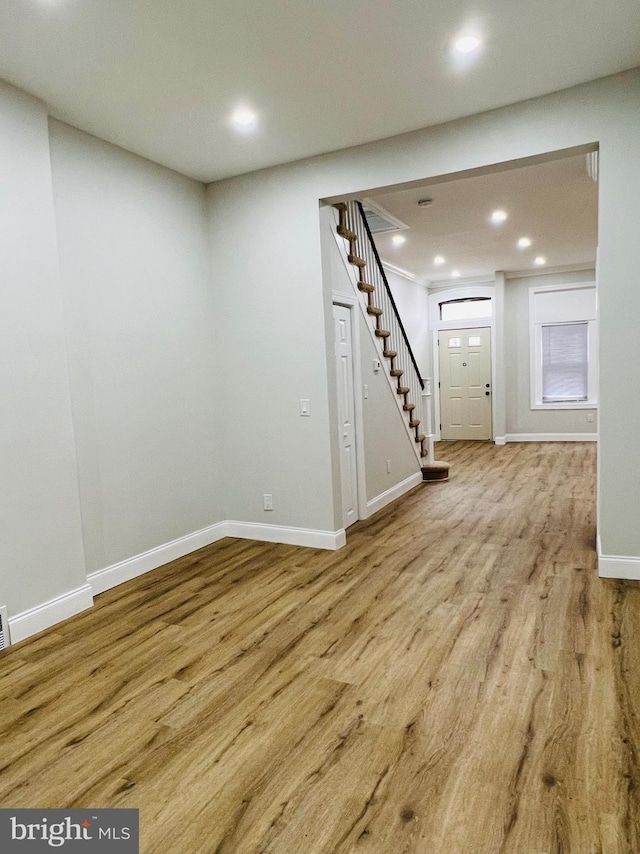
465, 383
346, 414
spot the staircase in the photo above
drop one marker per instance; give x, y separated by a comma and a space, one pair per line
387, 326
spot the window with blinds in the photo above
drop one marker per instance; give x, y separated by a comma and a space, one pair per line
565, 362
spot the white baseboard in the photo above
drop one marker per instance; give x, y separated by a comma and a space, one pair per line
125, 570
44, 616
35, 620
118, 573
546, 437
613, 566
289, 536
394, 492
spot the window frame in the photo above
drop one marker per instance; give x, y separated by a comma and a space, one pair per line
535, 338
462, 301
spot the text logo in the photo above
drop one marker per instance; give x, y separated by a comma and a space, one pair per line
33, 831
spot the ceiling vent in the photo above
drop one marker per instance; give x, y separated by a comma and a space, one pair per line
379, 220
4, 628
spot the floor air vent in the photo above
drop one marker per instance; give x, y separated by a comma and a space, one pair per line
4, 628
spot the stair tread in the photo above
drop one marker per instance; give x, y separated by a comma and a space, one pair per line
421, 437
415, 422
340, 206
437, 465
365, 287
409, 407
435, 471
347, 233
389, 354
403, 389
356, 261
383, 333
396, 372
374, 310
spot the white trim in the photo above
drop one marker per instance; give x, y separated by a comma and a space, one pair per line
392, 494
351, 301
405, 274
436, 325
573, 404
125, 570
462, 282
290, 536
48, 614
547, 437
118, 573
54, 611
611, 566
549, 271
535, 346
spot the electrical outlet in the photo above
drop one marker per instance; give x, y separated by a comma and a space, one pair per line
590, 417
267, 501
388, 466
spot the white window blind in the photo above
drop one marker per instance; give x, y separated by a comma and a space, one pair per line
565, 362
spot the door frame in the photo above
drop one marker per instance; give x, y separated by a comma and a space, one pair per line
436, 325
351, 303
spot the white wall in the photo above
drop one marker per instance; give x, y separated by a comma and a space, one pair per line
385, 436
41, 555
269, 267
144, 348
267, 283
412, 301
520, 417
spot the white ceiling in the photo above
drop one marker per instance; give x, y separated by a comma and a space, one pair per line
555, 204
160, 77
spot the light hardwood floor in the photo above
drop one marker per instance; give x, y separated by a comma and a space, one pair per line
457, 679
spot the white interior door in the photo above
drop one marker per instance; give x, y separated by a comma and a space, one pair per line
465, 383
346, 413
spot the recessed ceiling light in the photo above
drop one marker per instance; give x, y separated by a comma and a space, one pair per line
498, 216
244, 118
524, 242
455, 274
467, 44
398, 239
540, 261
438, 260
